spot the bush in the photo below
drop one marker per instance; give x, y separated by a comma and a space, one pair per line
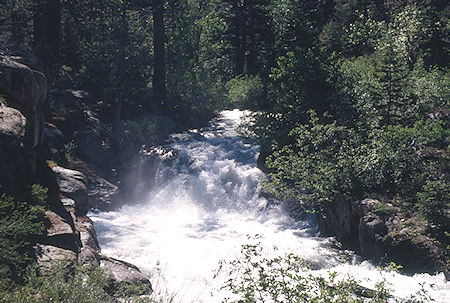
433, 203
247, 91
71, 285
328, 161
318, 167
254, 277
20, 224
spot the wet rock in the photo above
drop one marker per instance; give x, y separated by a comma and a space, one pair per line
102, 194
371, 233
382, 235
72, 184
341, 220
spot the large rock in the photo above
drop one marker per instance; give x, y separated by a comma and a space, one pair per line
54, 140
70, 111
49, 256
12, 125
381, 235
72, 184
15, 165
102, 194
22, 81
341, 220
124, 273
90, 250
24, 88
61, 232
20, 55
89, 147
57, 225
372, 234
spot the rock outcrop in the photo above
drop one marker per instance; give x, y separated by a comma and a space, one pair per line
381, 234
103, 194
72, 184
12, 126
54, 141
23, 81
14, 162
124, 273
70, 236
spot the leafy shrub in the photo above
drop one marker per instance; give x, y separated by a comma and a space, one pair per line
328, 161
246, 90
318, 167
71, 285
20, 223
433, 203
254, 277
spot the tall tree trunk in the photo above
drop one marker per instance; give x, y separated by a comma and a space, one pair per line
159, 74
116, 130
47, 30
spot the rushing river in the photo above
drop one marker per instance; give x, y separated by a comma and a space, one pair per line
206, 202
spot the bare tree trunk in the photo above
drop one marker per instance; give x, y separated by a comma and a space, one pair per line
47, 29
159, 74
117, 105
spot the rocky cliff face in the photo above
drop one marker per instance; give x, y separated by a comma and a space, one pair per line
382, 235
24, 149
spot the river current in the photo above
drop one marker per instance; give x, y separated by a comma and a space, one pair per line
207, 201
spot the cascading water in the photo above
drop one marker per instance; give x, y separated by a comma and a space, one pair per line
205, 203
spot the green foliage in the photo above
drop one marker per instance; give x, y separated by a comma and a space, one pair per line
362, 35
379, 141
72, 284
69, 151
115, 57
246, 90
256, 277
20, 223
60, 285
3, 100
299, 84
328, 161
16, 21
434, 203
38, 195
126, 290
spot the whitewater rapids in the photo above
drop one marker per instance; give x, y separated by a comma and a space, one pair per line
206, 202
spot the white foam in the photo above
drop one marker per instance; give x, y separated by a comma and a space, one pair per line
206, 212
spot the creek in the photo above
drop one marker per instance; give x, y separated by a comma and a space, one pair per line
207, 201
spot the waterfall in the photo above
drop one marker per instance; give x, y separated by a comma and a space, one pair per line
206, 202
